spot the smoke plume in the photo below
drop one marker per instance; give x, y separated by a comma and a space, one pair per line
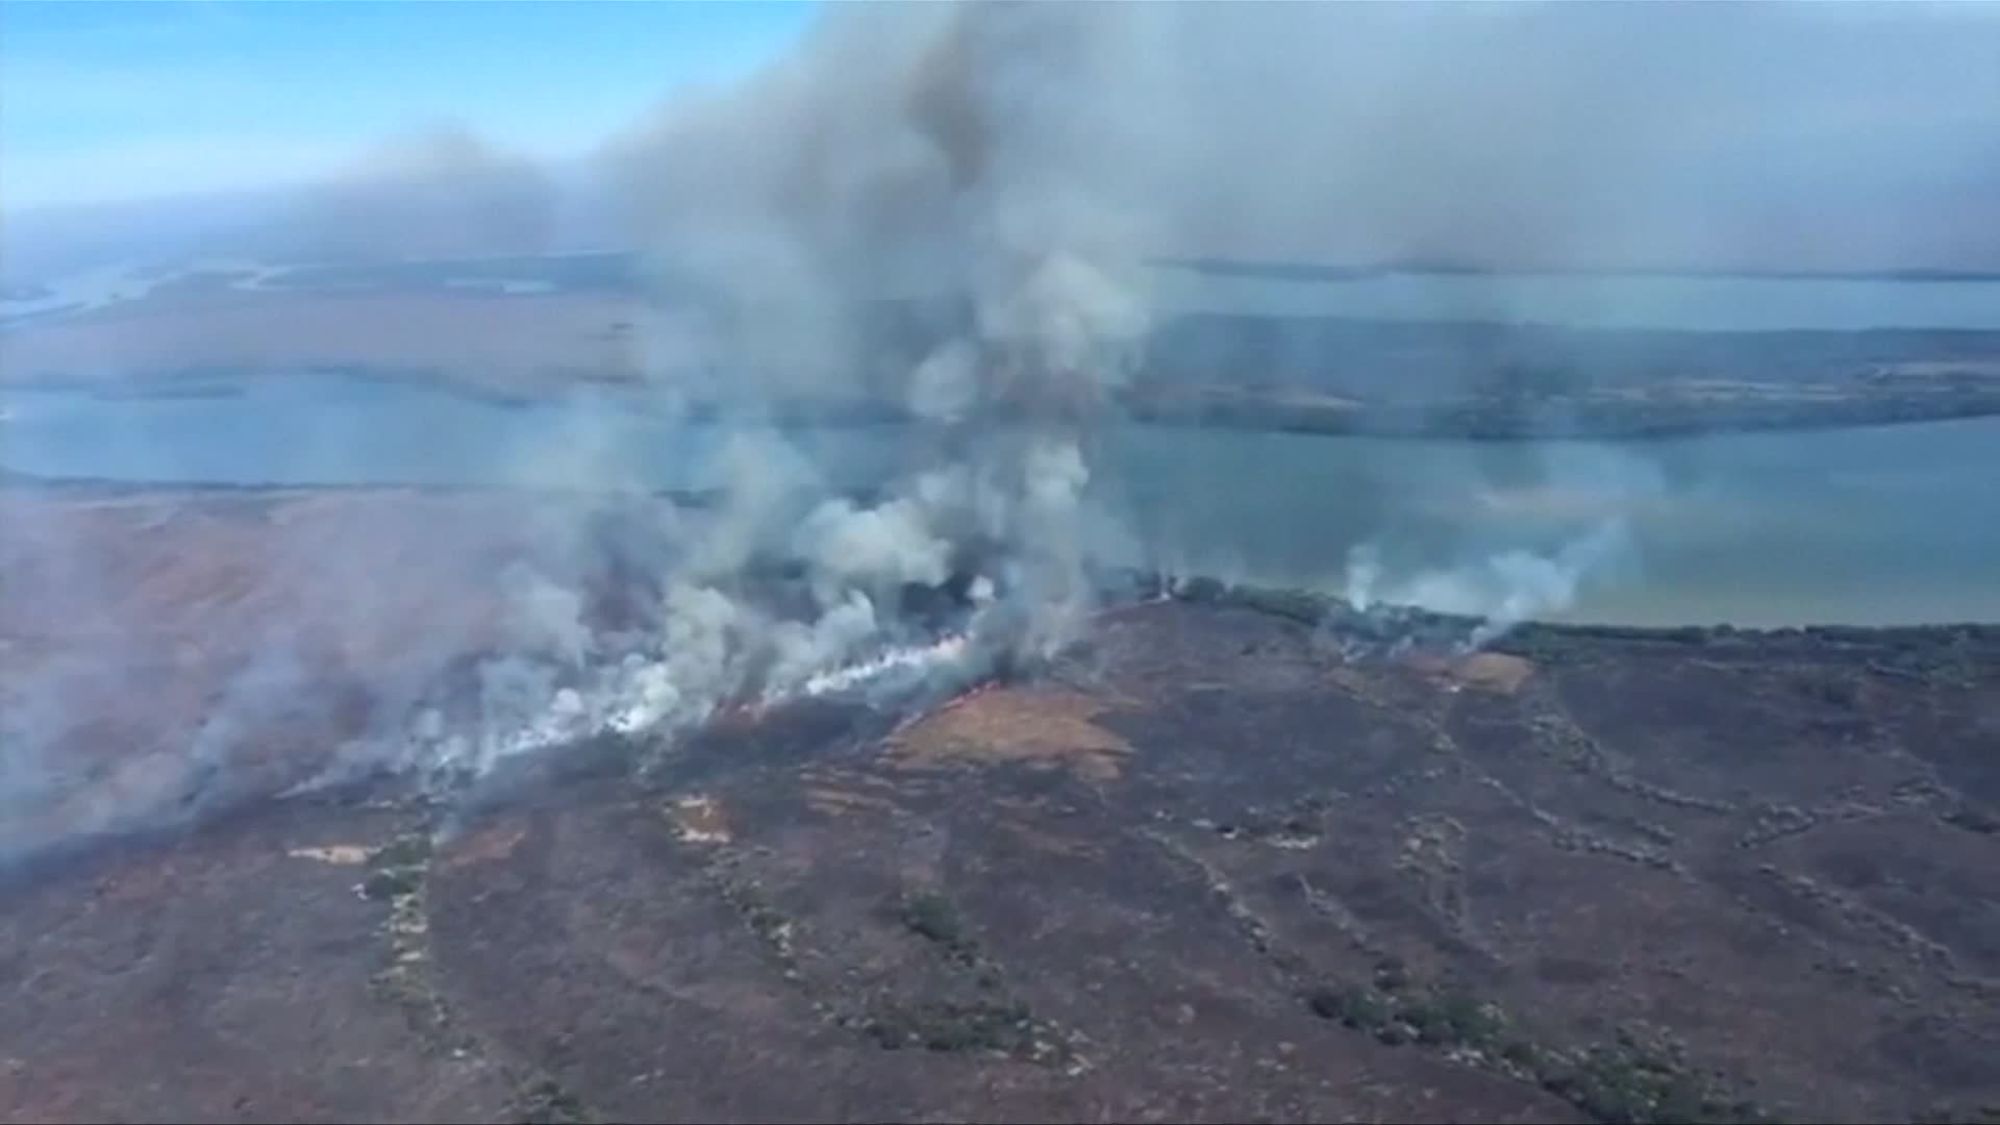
970, 156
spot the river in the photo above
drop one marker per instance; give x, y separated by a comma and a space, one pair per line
1679, 302
1875, 525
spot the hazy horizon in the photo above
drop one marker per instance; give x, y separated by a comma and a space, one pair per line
1810, 138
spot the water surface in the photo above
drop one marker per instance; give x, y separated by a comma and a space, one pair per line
1890, 524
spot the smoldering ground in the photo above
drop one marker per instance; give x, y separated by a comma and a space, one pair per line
1011, 171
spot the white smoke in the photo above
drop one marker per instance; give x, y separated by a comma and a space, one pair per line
875, 549
945, 386
973, 153
546, 619
767, 484
1526, 551
806, 651
1501, 590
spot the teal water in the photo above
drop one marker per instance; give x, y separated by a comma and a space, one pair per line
1877, 525
1893, 524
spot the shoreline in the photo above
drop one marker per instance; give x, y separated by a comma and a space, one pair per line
1532, 637
1566, 418
1386, 638
1604, 420
1122, 586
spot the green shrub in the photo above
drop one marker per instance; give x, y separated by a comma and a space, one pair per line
932, 917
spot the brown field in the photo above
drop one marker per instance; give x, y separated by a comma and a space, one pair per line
524, 345
127, 617
515, 344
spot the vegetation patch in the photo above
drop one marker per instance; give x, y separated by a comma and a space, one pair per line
1355, 1006
776, 931
1627, 1084
934, 917
991, 1022
412, 849
947, 1027
386, 884
1397, 1010
397, 874
1624, 1083
545, 1102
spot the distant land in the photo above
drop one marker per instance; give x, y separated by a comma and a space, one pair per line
1312, 271
513, 330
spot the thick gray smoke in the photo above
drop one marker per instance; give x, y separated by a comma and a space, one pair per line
973, 157
1851, 136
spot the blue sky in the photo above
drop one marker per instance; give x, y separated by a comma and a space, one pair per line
106, 101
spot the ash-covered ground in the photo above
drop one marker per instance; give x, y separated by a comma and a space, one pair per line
1230, 856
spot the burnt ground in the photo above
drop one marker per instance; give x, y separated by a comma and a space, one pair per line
1202, 869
